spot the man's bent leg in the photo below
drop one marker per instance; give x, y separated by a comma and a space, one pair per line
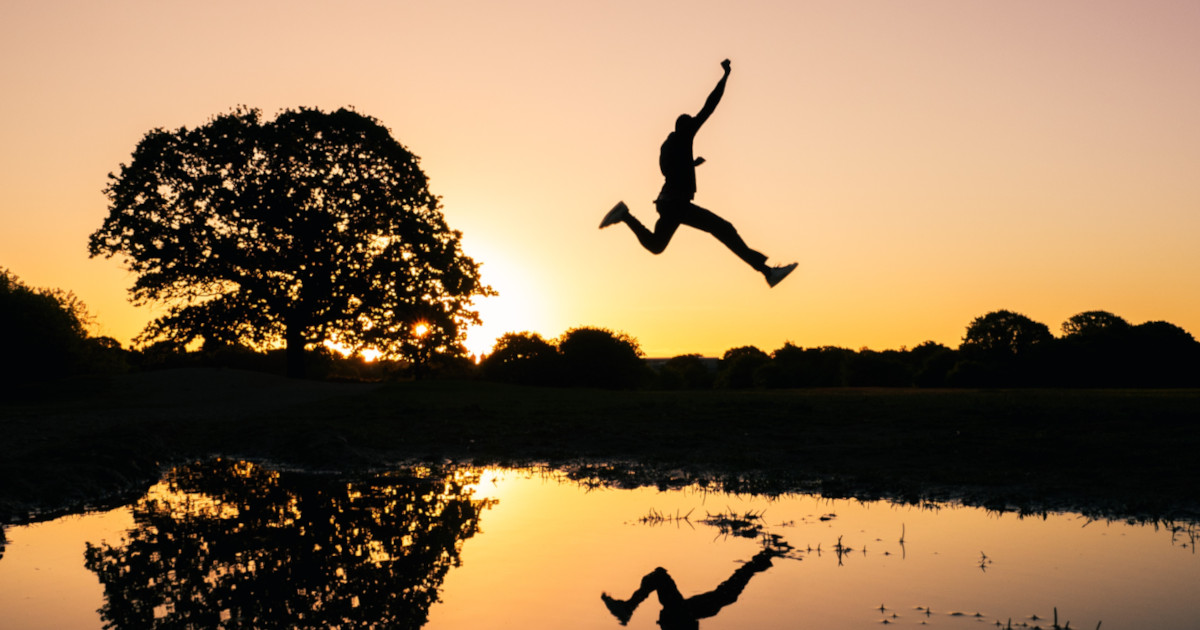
657, 240
708, 221
657, 581
660, 582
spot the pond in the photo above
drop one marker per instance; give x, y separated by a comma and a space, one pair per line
230, 544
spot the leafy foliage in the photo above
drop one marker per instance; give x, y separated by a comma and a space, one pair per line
308, 227
524, 358
582, 357
361, 553
1093, 322
43, 334
1000, 349
738, 365
1004, 334
598, 357
686, 371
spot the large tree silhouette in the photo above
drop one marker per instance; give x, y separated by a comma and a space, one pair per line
309, 227
235, 545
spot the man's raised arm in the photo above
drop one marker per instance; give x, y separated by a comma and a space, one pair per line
714, 97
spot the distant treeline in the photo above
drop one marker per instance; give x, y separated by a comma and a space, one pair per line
1000, 349
46, 338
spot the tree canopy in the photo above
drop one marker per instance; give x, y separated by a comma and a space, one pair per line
310, 227
1093, 322
1005, 334
40, 328
523, 358
363, 551
44, 335
599, 357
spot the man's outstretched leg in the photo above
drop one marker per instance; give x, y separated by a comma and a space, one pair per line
708, 604
723, 230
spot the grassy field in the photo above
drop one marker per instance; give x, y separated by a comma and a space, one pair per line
1121, 453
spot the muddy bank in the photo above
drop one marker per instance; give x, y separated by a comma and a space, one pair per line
1125, 454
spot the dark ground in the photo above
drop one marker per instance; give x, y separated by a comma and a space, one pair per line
1114, 453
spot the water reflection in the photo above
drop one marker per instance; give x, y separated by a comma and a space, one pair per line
232, 544
678, 612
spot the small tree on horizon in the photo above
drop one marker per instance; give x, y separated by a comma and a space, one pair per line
1093, 322
599, 357
1004, 335
310, 227
737, 366
1001, 348
524, 358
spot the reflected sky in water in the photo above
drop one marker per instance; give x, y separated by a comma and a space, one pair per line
234, 544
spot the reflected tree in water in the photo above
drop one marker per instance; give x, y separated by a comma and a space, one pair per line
235, 545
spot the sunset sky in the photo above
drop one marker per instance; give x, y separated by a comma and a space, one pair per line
924, 161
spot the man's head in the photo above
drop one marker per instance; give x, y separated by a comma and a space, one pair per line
684, 123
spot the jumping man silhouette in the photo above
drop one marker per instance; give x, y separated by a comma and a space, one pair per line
674, 203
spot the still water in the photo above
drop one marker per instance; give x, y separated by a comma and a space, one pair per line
235, 544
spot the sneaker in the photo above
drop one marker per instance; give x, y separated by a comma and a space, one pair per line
619, 212
775, 275
620, 609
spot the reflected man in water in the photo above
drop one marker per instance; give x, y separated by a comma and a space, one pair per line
678, 612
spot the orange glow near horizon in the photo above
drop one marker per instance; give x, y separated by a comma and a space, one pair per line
924, 163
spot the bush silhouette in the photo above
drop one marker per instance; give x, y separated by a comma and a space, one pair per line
598, 357
524, 358
1010, 346
825, 366
1162, 354
999, 349
1090, 323
43, 335
686, 371
868, 368
931, 363
738, 365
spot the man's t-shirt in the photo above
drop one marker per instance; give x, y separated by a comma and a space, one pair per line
678, 167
